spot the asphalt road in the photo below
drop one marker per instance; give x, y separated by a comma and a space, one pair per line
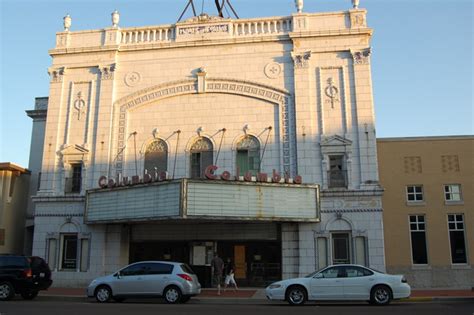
208, 307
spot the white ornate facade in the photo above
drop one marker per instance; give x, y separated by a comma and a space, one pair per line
300, 85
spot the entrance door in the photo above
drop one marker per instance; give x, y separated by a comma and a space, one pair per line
240, 264
341, 248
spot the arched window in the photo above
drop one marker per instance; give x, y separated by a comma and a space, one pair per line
156, 155
201, 157
248, 155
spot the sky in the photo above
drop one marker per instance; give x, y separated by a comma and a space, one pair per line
422, 57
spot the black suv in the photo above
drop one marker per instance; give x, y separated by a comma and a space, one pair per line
23, 275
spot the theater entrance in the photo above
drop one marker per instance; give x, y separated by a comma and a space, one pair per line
257, 263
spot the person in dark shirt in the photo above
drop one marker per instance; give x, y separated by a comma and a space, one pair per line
229, 270
217, 267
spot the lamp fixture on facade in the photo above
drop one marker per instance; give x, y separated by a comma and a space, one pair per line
155, 132
200, 130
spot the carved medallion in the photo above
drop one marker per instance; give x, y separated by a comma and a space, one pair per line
332, 92
80, 106
132, 78
272, 70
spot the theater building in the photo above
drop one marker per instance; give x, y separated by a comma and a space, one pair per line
250, 137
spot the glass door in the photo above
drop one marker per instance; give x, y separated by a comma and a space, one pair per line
340, 248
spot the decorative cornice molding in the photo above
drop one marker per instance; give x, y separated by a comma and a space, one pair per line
56, 214
38, 199
340, 211
351, 193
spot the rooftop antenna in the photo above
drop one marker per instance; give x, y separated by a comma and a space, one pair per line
220, 6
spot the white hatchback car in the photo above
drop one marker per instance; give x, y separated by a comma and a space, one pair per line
341, 282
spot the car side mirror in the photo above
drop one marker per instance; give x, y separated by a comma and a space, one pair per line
318, 276
117, 275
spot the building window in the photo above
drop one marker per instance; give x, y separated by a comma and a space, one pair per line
248, 156
341, 248
69, 251
38, 185
51, 253
85, 254
156, 156
12, 184
414, 193
337, 174
456, 238
74, 182
322, 252
201, 157
452, 192
360, 251
418, 240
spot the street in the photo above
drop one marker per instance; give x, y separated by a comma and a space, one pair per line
196, 306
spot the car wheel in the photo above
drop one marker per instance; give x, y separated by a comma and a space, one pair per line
296, 295
103, 294
172, 295
29, 295
7, 292
185, 299
380, 295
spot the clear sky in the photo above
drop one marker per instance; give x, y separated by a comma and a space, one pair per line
422, 57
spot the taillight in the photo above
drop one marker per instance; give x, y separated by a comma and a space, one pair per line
27, 273
185, 277
404, 280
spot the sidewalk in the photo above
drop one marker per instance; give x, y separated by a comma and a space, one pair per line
259, 294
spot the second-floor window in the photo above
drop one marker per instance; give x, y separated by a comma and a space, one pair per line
156, 156
414, 193
337, 174
201, 157
248, 155
452, 192
74, 181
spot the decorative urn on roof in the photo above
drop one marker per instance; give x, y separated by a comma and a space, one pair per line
115, 18
355, 4
299, 5
67, 22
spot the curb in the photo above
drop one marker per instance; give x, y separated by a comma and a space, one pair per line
420, 299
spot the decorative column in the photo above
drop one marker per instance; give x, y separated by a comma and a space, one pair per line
102, 153
365, 112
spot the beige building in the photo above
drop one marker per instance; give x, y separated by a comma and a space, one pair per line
428, 209
14, 183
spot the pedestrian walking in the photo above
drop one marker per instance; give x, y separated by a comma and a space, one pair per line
217, 268
230, 275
